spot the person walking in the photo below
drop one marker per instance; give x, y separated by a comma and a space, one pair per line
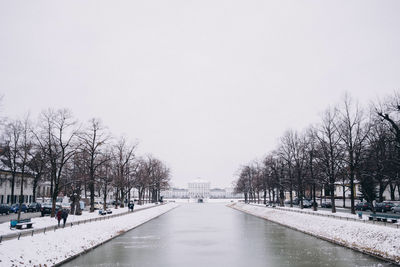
64, 216
59, 216
131, 206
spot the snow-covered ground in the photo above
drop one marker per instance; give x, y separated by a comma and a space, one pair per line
55, 247
338, 214
211, 200
47, 221
372, 239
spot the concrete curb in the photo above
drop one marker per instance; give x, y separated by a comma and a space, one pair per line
233, 206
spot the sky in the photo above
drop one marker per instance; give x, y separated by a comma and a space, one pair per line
206, 86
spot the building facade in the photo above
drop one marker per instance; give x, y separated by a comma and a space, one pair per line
6, 184
199, 189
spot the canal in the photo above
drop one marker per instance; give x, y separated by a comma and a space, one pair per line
214, 235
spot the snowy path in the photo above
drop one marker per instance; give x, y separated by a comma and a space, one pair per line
338, 215
376, 240
50, 222
55, 247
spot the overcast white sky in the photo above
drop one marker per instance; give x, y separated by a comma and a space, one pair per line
204, 85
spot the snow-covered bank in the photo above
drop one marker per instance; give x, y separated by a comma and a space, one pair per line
47, 221
55, 247
375, 240
210, 200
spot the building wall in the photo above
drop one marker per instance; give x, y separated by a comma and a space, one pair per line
199, 189
5, 188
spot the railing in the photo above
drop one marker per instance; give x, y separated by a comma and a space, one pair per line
393, 225
70, 224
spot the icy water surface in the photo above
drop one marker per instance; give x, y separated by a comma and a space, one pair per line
214, 235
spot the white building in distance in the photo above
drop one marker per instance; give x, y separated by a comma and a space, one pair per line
199, 189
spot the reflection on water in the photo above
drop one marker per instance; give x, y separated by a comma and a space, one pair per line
214, 235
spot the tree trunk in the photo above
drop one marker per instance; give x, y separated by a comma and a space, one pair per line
392, 191
332, 189
21, 196
265, 196
91, 190
35, 183
12, 187
344, 195
314, 198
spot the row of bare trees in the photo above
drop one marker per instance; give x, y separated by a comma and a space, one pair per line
349, 146
77, 159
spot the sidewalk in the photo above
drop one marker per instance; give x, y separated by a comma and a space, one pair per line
340, 215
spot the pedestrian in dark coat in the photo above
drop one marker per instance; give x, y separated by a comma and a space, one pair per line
59, 216
64, 216
131, 206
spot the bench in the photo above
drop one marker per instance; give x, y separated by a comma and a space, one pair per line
383, 218
21, 223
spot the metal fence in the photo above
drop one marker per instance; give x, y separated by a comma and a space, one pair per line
54, 228
393, 225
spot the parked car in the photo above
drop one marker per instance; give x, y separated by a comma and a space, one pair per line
326, 205
295, 201
46, 209
4, 209
363, 206
15, 208
102, 212
34, 207
307, 204
98, 205
396, 208
384, 206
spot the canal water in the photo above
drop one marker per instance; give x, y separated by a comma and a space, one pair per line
214, 235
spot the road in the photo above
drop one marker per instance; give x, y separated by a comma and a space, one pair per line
13, 216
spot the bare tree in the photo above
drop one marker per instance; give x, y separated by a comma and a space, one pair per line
93, 138
11, 150
106, 175
38, 166
56, 135
329, 138
285, 151
123, 156
354, 131
24, 153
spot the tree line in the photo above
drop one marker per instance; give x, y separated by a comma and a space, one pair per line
349, 145
78, 160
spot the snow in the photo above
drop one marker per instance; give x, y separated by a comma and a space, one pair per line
208, 200
56, 246
47, 221
340, 213
373, 239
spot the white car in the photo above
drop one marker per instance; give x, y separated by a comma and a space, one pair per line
396, 208
98, 205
